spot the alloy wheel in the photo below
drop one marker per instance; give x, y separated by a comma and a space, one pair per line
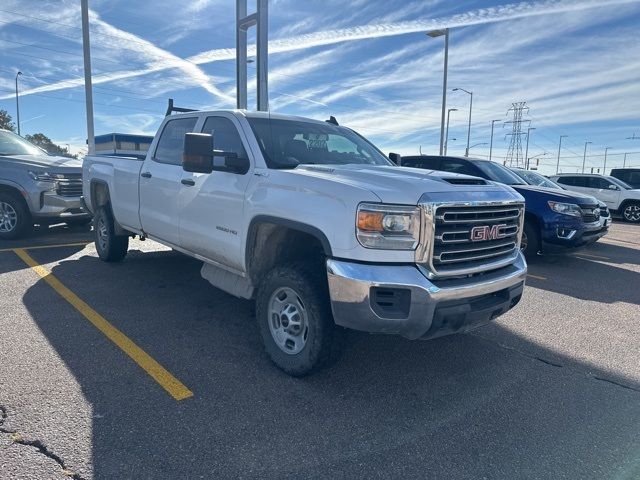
8, 217
288, 320
632, 213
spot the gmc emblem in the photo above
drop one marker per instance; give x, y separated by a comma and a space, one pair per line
494, 232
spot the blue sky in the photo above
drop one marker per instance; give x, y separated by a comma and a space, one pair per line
368, 62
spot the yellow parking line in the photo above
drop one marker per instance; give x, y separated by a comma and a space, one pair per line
172, 385
536, 277
37, 247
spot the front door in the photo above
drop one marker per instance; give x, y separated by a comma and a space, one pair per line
160, 181
211, 206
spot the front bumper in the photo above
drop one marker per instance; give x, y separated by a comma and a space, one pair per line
399, 299
57, 207
569, 235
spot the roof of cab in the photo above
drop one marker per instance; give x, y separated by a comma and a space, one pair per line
251, 114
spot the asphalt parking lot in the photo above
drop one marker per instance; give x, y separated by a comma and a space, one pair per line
550, 390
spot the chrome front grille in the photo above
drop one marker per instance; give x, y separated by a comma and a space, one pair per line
590, 215
70, 185
470, 238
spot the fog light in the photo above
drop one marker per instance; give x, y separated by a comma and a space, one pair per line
566, 233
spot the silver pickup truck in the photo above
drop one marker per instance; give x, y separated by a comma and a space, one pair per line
36, 187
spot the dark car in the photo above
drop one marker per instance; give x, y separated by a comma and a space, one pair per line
555, 220
627, 175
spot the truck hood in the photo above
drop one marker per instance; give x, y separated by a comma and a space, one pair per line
528, 191
400, 184
47, 162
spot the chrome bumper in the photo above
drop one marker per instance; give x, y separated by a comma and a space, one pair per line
53, 206
426, 308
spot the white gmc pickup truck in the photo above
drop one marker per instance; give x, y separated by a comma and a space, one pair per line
318, 226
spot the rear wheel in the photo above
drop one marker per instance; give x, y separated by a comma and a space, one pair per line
15, 218
631, 212
294, 318
110, 247
530, 245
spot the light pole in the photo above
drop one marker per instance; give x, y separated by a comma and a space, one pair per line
526, 151
491, 144
624, 162
584, 157
559, 147
477, 145
533, 158
434, 34
17, 103
446, 140
604, 169
470, 107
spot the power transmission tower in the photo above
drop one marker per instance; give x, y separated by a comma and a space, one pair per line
514, 156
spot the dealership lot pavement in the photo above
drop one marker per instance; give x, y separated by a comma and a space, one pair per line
550, 390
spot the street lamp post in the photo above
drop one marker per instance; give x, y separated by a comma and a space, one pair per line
604, 169
470, 107
526, 150
477, 145
446, 140
434, 34
533, 158
584, 157
559, 147
624, 162
17, 103
491, 144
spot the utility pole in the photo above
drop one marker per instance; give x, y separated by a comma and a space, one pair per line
446, 141
88, 87
624, 163
526, 152
559, 147
243, 23
434, 34
17, 104
514, 154
584, 157
604, 169
491, 143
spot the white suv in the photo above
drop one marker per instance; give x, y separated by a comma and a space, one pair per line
620, 197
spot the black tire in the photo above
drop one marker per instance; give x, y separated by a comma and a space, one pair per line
15, 219
530, 240
110, 247
631, 212
310, 288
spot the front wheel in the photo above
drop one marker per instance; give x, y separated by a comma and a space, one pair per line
530, 245
110, 247
631, 212
15, 218
294, 318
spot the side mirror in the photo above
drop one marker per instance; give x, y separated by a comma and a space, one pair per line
396, 158
613, 187
198, 153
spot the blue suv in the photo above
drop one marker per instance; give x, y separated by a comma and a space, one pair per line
555, 220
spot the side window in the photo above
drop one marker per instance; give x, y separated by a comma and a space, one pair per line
566, 181
457, 166
225, 138
597, 182
171, 144
428, 163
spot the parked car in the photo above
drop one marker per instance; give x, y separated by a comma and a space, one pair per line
555, 220
318, 226
630, 176
36, 187
535, 178
619, 196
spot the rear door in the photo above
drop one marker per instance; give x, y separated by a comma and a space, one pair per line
160, 181
211, 205
605, 190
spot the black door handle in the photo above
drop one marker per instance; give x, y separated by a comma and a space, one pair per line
188, 182
146, 174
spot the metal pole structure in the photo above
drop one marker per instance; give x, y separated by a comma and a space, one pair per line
624, 163
446, 141
466, 154
241, 56
88, 87
559, 147
262, 56
17, 103
259, 19
526, 150
434, 34
584, 157
491, 144
604, 169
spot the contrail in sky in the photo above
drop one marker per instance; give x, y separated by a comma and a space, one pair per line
481, 16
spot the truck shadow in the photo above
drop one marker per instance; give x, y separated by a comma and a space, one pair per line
457, 407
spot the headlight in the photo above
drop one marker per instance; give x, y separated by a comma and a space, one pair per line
566, 208
42, 176
388, 227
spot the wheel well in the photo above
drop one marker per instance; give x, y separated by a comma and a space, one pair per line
626, 202
270, 244
99, 195
15, 192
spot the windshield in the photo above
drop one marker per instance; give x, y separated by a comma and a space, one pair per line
499, 173
12, 144
620, 183
533, 178
289, 143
